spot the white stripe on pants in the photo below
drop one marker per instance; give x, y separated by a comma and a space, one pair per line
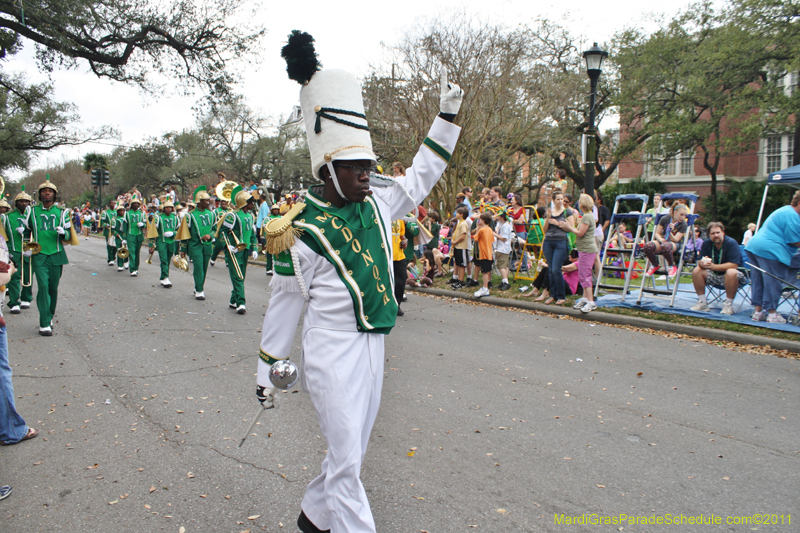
343, 373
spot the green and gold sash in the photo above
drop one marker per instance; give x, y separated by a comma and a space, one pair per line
353, 239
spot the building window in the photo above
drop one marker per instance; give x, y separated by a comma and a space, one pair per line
774, 154
669, 169
686, 164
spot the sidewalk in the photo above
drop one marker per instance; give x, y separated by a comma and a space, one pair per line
600, 317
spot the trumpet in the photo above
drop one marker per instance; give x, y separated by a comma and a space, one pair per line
123, 251
34, 248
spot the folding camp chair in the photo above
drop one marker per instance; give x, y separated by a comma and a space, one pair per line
718, 294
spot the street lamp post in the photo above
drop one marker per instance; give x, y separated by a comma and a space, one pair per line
594, 57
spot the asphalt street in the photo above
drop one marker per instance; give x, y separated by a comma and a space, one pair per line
492, 420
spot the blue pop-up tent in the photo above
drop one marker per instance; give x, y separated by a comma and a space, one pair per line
787, 177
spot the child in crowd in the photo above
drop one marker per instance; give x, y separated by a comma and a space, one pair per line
503, 234
586, 245
622, 236
460, 248
667, 239
484, 238
415, 279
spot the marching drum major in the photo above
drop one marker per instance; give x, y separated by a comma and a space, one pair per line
334, 254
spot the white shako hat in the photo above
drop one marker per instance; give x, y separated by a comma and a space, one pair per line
333, 108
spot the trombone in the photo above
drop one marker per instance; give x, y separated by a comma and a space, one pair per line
34, 248
239, 247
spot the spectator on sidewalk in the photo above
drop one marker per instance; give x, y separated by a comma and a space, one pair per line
718, 267
13, 428
555, 245
460, 245
484, 239
586, 245
502, 235
772, 250
667, 240
751, 230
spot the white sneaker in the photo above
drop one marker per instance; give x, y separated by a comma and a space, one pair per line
727, 309
580, 303
134, 273
111, 263
589, 307
212, 263
120, 269
758, 316
24, 305
241, 310
126, 264
483, 291
269, 272
232, 305
775, 318
15, 310
700, 307
166, 283
46, 332
199, 295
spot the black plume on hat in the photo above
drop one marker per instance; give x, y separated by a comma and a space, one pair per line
300, 56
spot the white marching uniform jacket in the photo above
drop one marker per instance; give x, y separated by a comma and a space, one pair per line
342, 368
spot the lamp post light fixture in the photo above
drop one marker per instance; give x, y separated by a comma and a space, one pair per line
594, 57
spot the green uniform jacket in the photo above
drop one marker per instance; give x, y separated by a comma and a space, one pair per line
11, 221
43, 223
243, 225
166, 223
200, 223
107, 220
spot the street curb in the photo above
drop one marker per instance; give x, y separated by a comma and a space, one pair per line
623, 320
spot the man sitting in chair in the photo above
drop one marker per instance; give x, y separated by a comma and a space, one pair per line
718, 267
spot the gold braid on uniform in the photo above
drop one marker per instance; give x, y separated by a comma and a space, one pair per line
280, 233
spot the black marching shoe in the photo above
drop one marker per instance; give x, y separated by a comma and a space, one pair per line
306, 526
400, 311
472, 283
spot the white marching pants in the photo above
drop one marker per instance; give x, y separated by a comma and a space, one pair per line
343, 373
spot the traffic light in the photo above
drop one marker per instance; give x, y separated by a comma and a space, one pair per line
105, 177
96, 176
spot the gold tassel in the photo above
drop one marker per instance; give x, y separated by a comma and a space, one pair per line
282, 241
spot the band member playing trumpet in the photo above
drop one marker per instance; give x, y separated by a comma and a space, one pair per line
238, 230
134, 234
51, 228
106, 221
118, 230
20, 290
199, 224
166, 224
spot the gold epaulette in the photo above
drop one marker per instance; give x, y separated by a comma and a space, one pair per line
280, 233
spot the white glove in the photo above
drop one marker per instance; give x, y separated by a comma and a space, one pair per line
61, 231
169, 234
21, 230
232, 249
140, 224
27, 253
67, 225
451, 96
253, 255
124, 242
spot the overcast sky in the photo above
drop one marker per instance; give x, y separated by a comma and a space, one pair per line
345, 38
